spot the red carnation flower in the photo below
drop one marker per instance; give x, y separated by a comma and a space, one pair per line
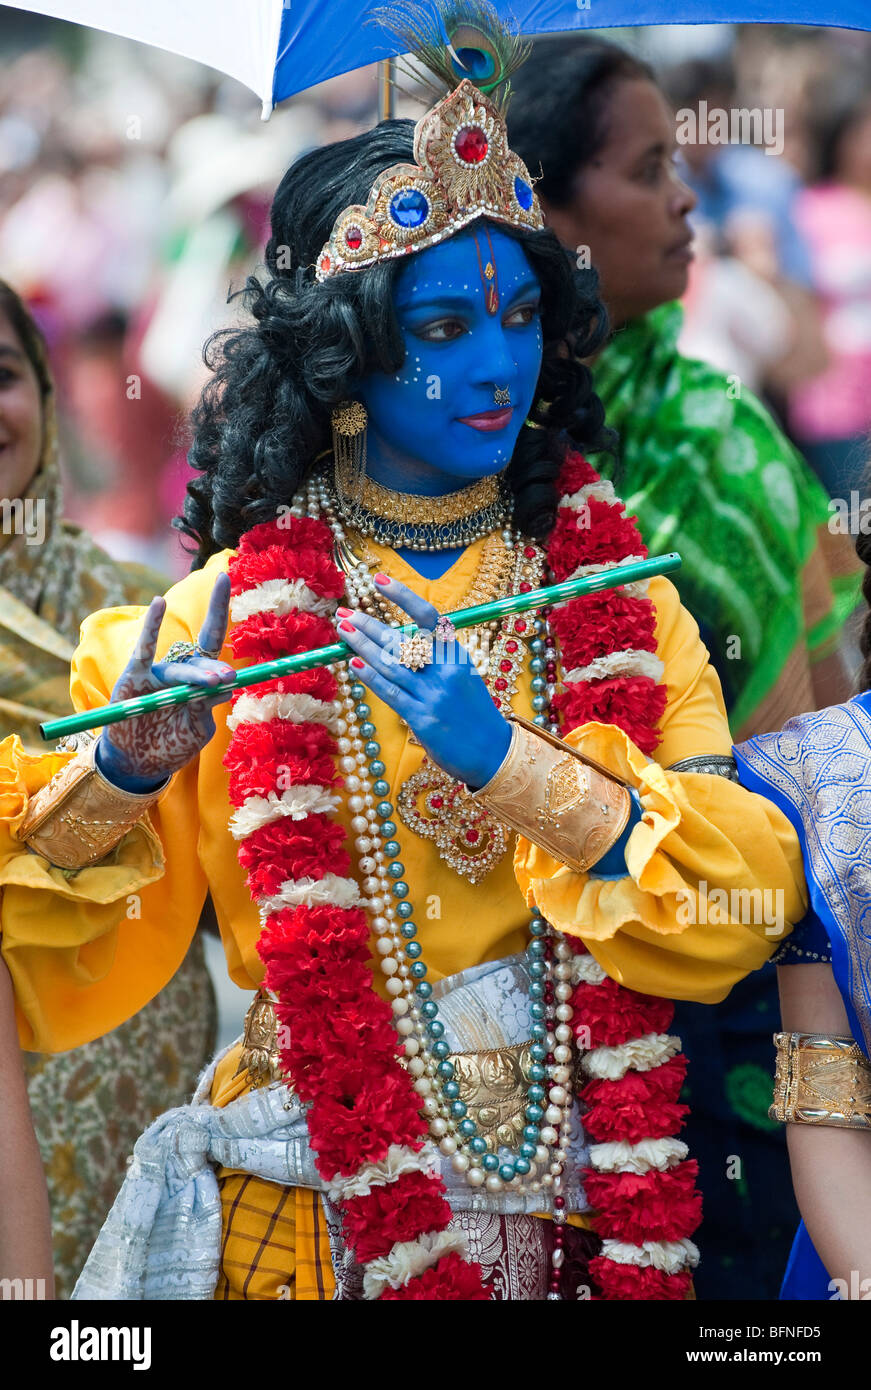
314, 925
594, 535
599, 624
452, 1279
635, 1207
293, 849
264, 636
370, 1107
659, 1083
294, 533
312, 993
634, 1284
575, 473
611, 1014
276, 756
634, 704
396, 1211
637, 1106
319, 1044
313, 567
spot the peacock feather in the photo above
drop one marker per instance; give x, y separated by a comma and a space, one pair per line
456, 39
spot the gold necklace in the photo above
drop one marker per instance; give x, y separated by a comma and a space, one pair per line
492, 580
406, 520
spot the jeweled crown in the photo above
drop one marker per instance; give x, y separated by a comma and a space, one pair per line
464, 170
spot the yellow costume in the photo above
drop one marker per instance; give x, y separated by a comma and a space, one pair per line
82, 961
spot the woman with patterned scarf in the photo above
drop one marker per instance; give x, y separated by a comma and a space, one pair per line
90, 1104
457, 1080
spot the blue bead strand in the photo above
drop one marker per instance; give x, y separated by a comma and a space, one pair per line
431, 1028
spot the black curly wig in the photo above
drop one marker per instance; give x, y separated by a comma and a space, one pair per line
264, 415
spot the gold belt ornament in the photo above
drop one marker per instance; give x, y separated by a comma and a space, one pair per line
493, 1084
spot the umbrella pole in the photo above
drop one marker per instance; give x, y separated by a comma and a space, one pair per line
386, 89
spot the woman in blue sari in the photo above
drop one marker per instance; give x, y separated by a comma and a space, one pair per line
817, 770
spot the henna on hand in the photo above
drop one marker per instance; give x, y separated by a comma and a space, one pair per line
150, 747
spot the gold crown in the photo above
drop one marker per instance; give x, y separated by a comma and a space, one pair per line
464, 170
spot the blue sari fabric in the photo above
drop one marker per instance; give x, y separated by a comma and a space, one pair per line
817, 771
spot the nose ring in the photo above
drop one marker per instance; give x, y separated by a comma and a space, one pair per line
502, 395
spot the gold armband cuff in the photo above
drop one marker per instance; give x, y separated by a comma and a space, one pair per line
78, 817
821, 1080
560, 800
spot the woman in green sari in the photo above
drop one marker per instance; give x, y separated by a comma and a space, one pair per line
90, 1105
701, 461
706, 470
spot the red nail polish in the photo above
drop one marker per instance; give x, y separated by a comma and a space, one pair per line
382, 579
344, 612
346, 627
356, 663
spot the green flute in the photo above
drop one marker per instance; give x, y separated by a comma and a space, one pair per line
339, 651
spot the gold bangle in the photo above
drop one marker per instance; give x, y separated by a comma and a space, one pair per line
821, 1080
562, 801
79, 817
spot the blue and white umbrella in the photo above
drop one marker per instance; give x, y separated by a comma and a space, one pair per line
278, 47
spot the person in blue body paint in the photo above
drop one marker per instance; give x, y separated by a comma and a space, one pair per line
454, 348
450, 337
468, 359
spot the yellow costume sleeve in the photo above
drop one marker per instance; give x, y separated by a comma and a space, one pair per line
72, 941
715, 874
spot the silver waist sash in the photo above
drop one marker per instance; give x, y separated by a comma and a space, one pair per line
161, 1240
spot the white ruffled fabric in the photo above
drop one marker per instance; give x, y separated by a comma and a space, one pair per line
297, 801
409, 1258
631, 662
296, 709
670, 1256
329, 891
622, 1157
279, 596
638, 1054
398, 1160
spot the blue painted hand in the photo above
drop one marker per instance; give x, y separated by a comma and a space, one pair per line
445, 702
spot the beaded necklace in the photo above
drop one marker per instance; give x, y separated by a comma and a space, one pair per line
545, 1137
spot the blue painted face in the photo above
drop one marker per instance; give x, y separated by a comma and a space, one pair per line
469, 312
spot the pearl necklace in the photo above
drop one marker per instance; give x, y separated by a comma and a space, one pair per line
539, 1162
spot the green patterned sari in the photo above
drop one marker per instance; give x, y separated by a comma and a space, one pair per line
708, 473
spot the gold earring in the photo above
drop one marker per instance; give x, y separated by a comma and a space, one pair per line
349, 420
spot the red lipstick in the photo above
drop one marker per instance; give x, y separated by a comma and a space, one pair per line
488, 419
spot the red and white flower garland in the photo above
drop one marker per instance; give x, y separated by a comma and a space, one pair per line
364, 1122
640, 1182
365, 1127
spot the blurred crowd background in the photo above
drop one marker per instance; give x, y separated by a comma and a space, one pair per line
135, 186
